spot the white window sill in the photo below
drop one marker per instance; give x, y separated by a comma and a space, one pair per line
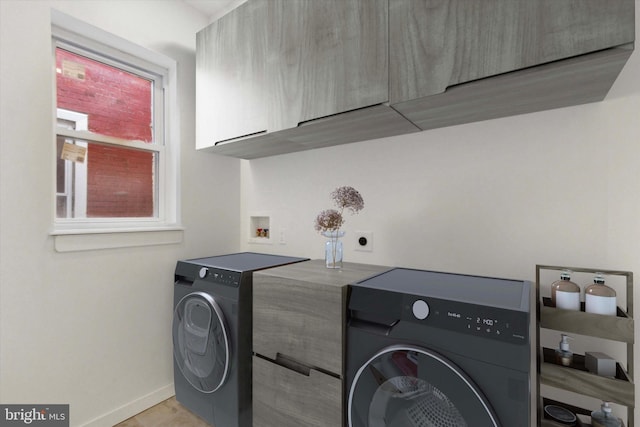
85, 240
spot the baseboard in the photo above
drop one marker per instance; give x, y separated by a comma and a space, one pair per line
132, 408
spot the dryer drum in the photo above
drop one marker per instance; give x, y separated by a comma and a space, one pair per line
407, 386
422, 404
200, 342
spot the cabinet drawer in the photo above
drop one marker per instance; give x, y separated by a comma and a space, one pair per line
301, 320
286, 398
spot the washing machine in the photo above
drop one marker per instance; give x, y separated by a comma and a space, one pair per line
212, 333
432, 349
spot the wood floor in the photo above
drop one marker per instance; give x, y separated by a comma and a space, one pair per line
169, 413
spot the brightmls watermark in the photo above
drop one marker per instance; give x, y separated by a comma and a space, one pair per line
34, 415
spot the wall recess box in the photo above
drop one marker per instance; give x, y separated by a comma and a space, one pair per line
259, 229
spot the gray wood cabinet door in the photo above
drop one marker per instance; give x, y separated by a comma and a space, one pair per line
230, 75
299, 315
299, 312
325, 57
285, 398
301, 320
435, 44
270, 65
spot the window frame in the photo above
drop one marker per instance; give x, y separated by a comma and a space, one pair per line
78, 37
79, 177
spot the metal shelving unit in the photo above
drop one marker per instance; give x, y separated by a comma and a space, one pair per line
576, 378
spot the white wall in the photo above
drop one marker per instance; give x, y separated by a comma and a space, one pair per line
493, 197
92, 329
559, 187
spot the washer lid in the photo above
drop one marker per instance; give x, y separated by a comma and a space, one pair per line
479, 290
245, 261
406, 386
200, 342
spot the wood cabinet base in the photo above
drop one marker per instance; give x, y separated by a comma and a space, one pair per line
286, 398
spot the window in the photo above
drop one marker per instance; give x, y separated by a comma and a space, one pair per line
116, 133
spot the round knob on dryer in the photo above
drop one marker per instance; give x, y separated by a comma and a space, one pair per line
203, 272
420, 309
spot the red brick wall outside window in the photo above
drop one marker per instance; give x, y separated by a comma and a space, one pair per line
120, 181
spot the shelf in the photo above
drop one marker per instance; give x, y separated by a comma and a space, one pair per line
546, 422
616, 328
577, 379
550, 423
627, 274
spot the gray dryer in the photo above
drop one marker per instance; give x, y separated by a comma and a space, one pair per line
212, 333
427, 348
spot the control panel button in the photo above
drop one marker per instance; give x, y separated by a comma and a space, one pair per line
420, 309
203, 272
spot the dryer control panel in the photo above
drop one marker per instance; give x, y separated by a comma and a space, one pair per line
486, 322
222, 277
191, 272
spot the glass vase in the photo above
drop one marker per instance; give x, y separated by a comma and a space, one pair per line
333, 249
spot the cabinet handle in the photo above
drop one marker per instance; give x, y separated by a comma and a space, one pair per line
293, 365
239, 138
322, 119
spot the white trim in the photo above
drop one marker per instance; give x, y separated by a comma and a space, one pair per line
68, 28
75, 35
132, 408
84, 240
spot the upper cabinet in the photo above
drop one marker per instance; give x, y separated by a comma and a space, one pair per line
324, 58
231, 54
435, 44
458, 61
277, 76
272, 67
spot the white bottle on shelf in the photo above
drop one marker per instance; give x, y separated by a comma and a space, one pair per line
600, 298
564, 293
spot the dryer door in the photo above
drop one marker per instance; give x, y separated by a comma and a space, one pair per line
200, 341
407, 386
